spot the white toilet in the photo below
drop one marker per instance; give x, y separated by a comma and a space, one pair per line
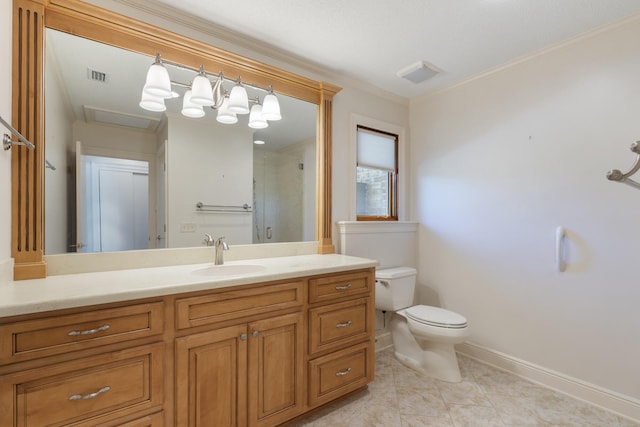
423, 336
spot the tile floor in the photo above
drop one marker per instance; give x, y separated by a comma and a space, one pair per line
400, 397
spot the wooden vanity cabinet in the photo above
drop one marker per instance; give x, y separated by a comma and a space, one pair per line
84, 368
341, 335
248, 374
254, 355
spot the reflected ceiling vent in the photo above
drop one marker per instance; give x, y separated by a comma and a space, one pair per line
96, 76
115, 118
418, 72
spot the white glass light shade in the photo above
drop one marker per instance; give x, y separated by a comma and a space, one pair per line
238, 100
271, 107
201, 91
256, 121
258, 142
152, 103
224, 115
189, 109
158, 82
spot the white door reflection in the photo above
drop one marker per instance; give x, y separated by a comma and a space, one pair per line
114, 204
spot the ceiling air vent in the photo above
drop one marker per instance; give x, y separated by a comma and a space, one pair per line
418, 72
96, 76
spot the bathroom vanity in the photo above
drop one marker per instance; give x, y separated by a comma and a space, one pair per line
254, 342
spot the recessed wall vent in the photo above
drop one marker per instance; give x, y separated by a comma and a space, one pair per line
418, 72
96, 76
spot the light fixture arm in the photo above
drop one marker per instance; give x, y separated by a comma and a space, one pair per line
200, 70
7, 142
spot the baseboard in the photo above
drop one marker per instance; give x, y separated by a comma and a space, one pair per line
383, 341
622, 405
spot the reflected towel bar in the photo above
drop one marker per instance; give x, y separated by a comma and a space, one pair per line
617, 175
222, 208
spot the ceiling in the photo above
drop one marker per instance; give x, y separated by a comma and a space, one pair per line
370, 41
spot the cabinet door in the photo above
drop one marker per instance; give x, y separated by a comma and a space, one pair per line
276, 369
211, 378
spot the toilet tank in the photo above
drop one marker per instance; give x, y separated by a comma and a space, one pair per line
395, 288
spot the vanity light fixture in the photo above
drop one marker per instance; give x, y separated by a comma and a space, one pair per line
158, 81
258, 142
203, 93
201, 90
238, 99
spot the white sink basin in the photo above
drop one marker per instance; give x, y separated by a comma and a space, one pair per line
229, 270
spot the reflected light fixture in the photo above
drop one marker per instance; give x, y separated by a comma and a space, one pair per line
152, 103
256, 120
271, 106
190, 109
224, 115
258, 142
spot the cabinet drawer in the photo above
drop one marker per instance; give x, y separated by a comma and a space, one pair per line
154, 420
85, 392
339, 373
233, 304
60, 334
338, 324
339, 286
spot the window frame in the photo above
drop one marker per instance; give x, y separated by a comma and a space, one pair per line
393, 178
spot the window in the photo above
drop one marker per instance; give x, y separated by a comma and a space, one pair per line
376, 175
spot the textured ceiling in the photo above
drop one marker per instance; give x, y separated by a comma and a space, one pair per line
370, 41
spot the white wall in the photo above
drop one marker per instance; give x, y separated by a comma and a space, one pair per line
6, 263
213, 165
502, 160
347, 103
58, 135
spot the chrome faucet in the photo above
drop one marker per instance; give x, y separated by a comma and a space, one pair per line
220, 246
208, 240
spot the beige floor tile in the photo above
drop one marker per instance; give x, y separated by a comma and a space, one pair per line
462, 393
474, 416
486, 397
424, 421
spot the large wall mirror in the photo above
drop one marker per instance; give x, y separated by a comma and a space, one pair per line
113, 176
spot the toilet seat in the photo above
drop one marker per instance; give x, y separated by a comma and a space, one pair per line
435, 316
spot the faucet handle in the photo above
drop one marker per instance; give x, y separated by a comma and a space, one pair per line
208, 240
222, 242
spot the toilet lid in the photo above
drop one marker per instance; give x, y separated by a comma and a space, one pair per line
435, 316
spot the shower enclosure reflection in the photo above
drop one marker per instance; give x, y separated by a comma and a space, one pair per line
187, 161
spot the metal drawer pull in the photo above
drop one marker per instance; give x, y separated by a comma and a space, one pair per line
344, 325
89, 331
343, 373
90, 396
243, 337
343, 288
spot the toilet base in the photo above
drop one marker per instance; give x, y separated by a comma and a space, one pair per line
434, 359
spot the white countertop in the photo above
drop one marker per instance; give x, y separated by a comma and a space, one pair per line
77, 290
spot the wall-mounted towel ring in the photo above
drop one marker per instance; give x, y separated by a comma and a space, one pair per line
617, 175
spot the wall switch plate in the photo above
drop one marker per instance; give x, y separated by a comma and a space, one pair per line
187, 227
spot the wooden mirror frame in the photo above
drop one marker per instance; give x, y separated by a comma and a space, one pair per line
30, 17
